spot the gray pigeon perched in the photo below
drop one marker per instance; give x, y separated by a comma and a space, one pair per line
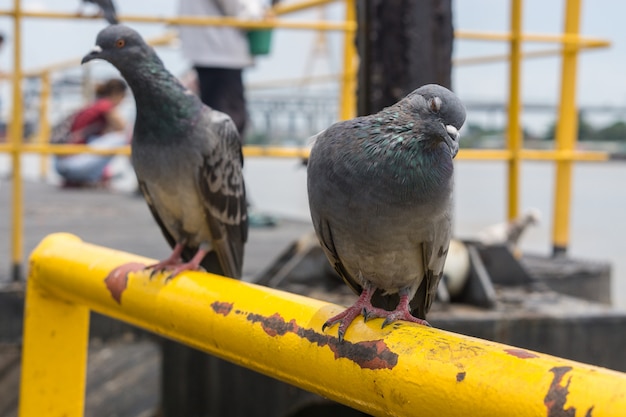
108, 9
380, 194
187, 158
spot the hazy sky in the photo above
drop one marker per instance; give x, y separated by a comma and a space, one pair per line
601, 72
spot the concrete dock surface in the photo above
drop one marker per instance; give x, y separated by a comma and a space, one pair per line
119, 220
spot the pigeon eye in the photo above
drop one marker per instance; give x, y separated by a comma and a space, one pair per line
120, 43
435, 104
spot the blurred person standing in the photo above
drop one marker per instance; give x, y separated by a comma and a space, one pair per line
98, 125
220, 53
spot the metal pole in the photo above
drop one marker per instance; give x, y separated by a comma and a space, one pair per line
44, 123
566, 131
365, 64
16, 133
348, 85
514, 141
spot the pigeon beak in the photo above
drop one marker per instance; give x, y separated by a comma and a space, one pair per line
452, 139
452, 132
93, 54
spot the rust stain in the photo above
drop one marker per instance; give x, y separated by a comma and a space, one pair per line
117, 280
370, 354
557, 395
521, 353
222, 308
460, 376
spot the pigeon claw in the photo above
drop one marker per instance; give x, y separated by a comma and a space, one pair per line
153, 271
172, 262
365, 314
344, 319
393, 316
187, 266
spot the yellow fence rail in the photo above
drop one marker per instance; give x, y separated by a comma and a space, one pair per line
402, 370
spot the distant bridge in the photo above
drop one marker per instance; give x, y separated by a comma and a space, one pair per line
492, 106
296, 117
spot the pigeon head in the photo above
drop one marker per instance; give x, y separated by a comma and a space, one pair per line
442, 109
120, 45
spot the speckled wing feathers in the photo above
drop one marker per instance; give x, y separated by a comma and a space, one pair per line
223, 194
325, 236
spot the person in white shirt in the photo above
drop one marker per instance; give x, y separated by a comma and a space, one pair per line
220, 53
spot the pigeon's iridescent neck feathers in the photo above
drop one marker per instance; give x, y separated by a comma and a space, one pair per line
163, 104
391, 147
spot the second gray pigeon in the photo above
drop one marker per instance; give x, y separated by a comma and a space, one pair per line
380, 195
187, 158
108, 9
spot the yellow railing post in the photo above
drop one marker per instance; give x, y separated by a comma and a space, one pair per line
44, 122
348, 80
514, 132
566, 130
54, 356
16, 134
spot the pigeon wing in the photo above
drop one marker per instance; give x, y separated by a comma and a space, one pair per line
325, 236
434, 254
224, 196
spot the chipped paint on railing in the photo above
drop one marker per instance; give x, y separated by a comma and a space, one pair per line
401, 370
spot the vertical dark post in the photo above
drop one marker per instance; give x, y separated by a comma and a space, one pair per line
402, 45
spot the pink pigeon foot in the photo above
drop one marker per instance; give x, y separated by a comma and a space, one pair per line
175, 265
364, 306
402, 312
171, 261
361, 306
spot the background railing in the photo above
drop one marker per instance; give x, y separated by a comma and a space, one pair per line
564, 154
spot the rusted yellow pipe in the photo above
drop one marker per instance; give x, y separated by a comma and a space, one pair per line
402, 370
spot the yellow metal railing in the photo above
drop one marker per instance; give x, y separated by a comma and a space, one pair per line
403, 370
564, 154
